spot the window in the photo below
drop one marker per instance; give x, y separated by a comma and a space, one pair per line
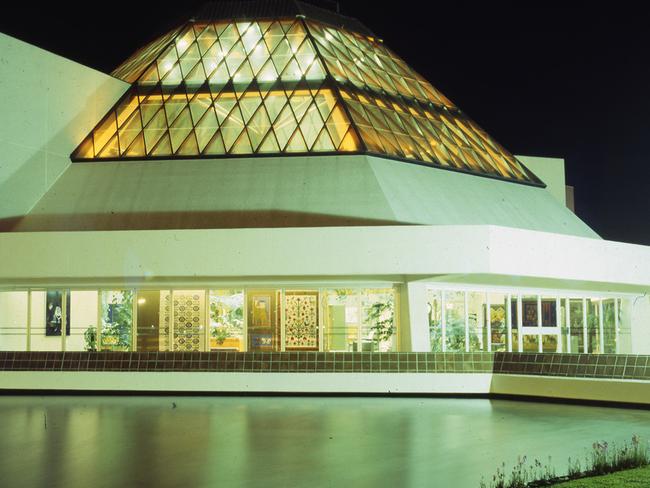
227, 320
117, 320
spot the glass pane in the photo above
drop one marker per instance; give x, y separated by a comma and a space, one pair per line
531, 343
378, 327
188, 320
549, 312
593, 326
625, 326
341, 332
47, 319
498, 321
564, 330
301, 320
13, 320
455, 320
227, 320
117, 320
83, 313
550, 343
263, 320
150, 318
514, 313
576, 323
434, 309
609, 325
477, 321
529, 311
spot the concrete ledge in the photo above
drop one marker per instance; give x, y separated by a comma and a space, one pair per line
349, 383
585, 389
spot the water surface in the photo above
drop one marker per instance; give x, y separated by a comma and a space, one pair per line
194, 442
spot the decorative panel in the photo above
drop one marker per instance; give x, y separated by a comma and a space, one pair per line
189, 320
301, 320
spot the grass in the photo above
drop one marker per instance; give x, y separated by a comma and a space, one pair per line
602, 460
629, 478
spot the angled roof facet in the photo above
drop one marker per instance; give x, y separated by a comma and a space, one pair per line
287, 85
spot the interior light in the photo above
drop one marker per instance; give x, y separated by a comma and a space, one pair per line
182, 44
141, 301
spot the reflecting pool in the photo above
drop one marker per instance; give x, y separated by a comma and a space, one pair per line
280, 442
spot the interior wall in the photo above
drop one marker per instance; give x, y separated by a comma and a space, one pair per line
48, 105
13, 321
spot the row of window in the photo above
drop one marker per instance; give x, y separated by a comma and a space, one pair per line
462, 320
199, 320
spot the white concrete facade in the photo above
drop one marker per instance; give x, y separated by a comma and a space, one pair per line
301, 221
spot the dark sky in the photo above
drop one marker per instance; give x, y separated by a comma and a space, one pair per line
568, 79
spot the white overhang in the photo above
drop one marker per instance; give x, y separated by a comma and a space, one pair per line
474, 254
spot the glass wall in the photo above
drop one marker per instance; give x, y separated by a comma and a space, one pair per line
46, 319
13, 320
498, 321
227, 320
188, 322
264, 320
301, 320
610, 325
378, 327
434, 313
476, 321
455, 321
593, 325
83, 313
525, 322
360, 320
576, 324
117, 320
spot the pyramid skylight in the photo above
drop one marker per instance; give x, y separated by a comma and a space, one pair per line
286, 86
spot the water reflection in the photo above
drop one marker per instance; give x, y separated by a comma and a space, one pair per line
231, 441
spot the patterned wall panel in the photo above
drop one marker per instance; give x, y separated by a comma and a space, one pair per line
165, 311
189, 320
301, 319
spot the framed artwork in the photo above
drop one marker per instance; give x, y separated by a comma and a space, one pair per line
54, 313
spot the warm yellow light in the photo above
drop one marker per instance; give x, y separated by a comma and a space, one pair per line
141, 301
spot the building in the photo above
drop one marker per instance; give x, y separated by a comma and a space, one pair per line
269, 177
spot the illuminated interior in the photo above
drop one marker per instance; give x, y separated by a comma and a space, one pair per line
295, 86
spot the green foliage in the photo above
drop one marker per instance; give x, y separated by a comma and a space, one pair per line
230, 320
117, 321
90, 339
381, 318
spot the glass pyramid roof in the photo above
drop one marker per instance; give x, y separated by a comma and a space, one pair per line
282, 86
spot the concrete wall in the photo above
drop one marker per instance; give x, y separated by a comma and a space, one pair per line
48, 105
603, 390
550, 171
312, 191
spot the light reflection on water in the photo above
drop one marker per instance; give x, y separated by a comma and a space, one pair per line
277, 442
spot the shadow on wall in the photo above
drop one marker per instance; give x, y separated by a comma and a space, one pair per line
184, 220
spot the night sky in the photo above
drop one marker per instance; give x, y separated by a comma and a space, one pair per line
545, 79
